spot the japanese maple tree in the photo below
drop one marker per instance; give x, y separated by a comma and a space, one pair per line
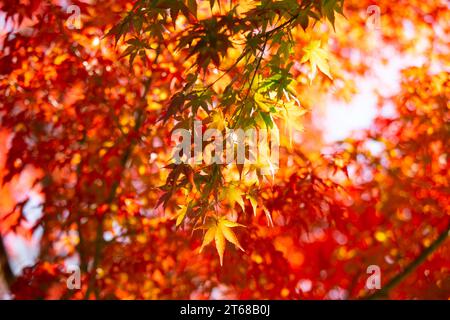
89, 105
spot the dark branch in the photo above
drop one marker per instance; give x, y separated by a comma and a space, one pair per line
384, 292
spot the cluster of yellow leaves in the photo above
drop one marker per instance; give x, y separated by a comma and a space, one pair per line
289, 111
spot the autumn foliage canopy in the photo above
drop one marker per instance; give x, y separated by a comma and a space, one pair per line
89, 99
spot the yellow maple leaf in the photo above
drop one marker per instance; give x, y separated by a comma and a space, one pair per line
232, 194
265, 158
181, 214
253, 202
317, 57
217, 120
220, 231
263, 103
291, 113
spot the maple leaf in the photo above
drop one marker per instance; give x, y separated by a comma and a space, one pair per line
263, 103
264, 161
220, 231
317, 57
253, 202
233, 194
217, 120
291, 113
181, 214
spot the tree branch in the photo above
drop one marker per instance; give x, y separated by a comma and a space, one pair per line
112, 195
384, 292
